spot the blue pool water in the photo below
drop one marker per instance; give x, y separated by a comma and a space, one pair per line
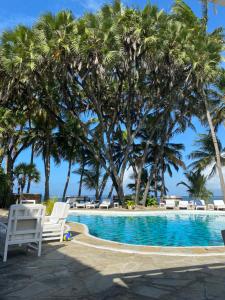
159, 230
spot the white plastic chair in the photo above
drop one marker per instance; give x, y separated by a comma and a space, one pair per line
170, 204
105, 203
54, 224
219, 204
183, 204
200, 204
24, 226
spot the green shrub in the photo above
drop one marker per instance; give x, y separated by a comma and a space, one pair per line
151, 201
49, 205
130, 204
4, 189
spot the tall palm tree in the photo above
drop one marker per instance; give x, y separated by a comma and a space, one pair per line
45, 143
208, 114
204, 156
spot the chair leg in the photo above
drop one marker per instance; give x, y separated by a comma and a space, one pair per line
39, 248
61, 235
5, 253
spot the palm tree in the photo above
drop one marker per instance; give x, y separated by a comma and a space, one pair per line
208, 114
196, 186
23, 172
45, 143
204, 156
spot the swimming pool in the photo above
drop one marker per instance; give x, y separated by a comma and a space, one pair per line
172, 229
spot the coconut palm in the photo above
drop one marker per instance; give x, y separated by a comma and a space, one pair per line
196, 185
207, 107
204, 156
23, 172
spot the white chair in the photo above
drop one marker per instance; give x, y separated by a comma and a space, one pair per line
80, 204
219, 204
200, 204
92, 204
170, 204
54, 225
105, 203
71, 201
24, 226
183, 204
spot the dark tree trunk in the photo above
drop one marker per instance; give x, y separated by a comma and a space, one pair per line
67, 179
9, 172
31, 162
47, 174
103, 185
81, 180
111, 191
145, 195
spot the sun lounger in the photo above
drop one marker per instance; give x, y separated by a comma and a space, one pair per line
183, 204
219, 204
24, 226
80, 204
92, 204
170, 204
54, 224
105, 203
200, 204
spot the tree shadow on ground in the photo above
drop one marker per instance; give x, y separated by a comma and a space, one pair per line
69, 271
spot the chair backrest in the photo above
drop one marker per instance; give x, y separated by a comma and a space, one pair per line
200, 202
170, 202
25, 223
106, 201
60, 211
218, 202
183, 202
24, 201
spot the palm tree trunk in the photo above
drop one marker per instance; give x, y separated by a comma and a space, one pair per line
67, 179
9, 172
145, 195
111, 191
217, 152
47, 175
81, 180
31, 162
103, 185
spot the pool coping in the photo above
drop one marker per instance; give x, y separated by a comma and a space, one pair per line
86, 239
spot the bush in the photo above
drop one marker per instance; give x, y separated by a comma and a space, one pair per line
151, 201
130, 204
49, 205
4, 189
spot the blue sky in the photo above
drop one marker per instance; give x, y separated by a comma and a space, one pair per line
14, 12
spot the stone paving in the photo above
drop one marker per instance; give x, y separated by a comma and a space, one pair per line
74, 271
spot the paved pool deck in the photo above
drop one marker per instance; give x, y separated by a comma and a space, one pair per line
73, 270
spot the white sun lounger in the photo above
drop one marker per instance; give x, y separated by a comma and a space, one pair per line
219, 204
200, 204
92, 204
24, 226
80, 204
54, 224
105, 203
170, 204
183, 204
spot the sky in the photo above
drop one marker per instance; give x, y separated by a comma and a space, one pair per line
14, 12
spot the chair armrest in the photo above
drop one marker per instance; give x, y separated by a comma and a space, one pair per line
4, 226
